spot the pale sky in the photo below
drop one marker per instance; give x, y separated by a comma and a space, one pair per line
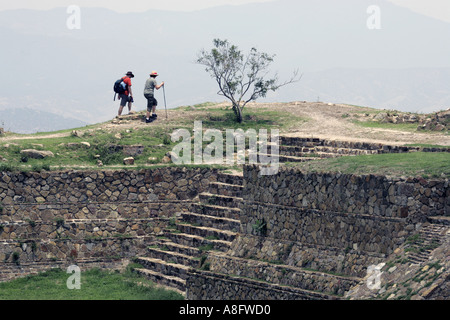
125, 6
439, 9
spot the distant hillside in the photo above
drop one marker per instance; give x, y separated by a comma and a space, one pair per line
402, 66
26, 120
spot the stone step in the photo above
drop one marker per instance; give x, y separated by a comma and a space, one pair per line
434, 232
322, 152
211, 221
293, 149
218, 200
352, 145
344, 151
418, 258
440, 220
173, 257
299, 151
217, 211
316, 154
226, 189
167, 268
172, 282
297, 141
207, 232
168, 245
197, 241
430, 237
283, 158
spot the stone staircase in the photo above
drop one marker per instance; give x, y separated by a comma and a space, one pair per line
427, 239
210, 224
297, 149
205, 234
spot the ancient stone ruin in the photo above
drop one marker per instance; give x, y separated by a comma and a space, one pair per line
216, 235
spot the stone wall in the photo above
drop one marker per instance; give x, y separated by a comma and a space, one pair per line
169, 183
89, 216
370, 195
330, 221
202, 285
352, 147
51, 212
281, 274
317, 231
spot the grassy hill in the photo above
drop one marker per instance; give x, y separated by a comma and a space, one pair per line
107, 142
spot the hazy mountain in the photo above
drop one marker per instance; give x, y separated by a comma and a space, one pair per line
46, 66
421, 90
26, 120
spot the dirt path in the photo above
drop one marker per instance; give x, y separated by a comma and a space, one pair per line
334, 122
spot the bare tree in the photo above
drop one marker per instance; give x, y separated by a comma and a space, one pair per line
241, 79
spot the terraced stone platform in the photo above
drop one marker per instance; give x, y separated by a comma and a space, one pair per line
211, 225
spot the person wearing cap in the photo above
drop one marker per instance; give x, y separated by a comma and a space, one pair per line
149, 94
127, 96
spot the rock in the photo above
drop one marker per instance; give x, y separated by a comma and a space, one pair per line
166, 159
73, 145
133, 150
381, 116
128, 161
36, 154
40, 200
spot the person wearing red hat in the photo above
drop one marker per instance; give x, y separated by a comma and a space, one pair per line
127, 96
149, 94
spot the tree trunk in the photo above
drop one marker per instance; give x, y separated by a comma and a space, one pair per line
238, 113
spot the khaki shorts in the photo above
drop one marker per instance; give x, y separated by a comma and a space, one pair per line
151, 101
124, 99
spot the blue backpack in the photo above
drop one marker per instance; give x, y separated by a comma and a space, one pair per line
119, 87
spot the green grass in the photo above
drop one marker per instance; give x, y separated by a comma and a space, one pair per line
424, 164
96, 284
410, 127
156, 140
100, 141
223, 118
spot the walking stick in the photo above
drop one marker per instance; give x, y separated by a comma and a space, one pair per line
165, 104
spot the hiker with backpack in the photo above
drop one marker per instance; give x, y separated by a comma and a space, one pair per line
123, 88
149, 94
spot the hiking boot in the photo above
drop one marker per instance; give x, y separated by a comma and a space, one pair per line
149, 120
154, 116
